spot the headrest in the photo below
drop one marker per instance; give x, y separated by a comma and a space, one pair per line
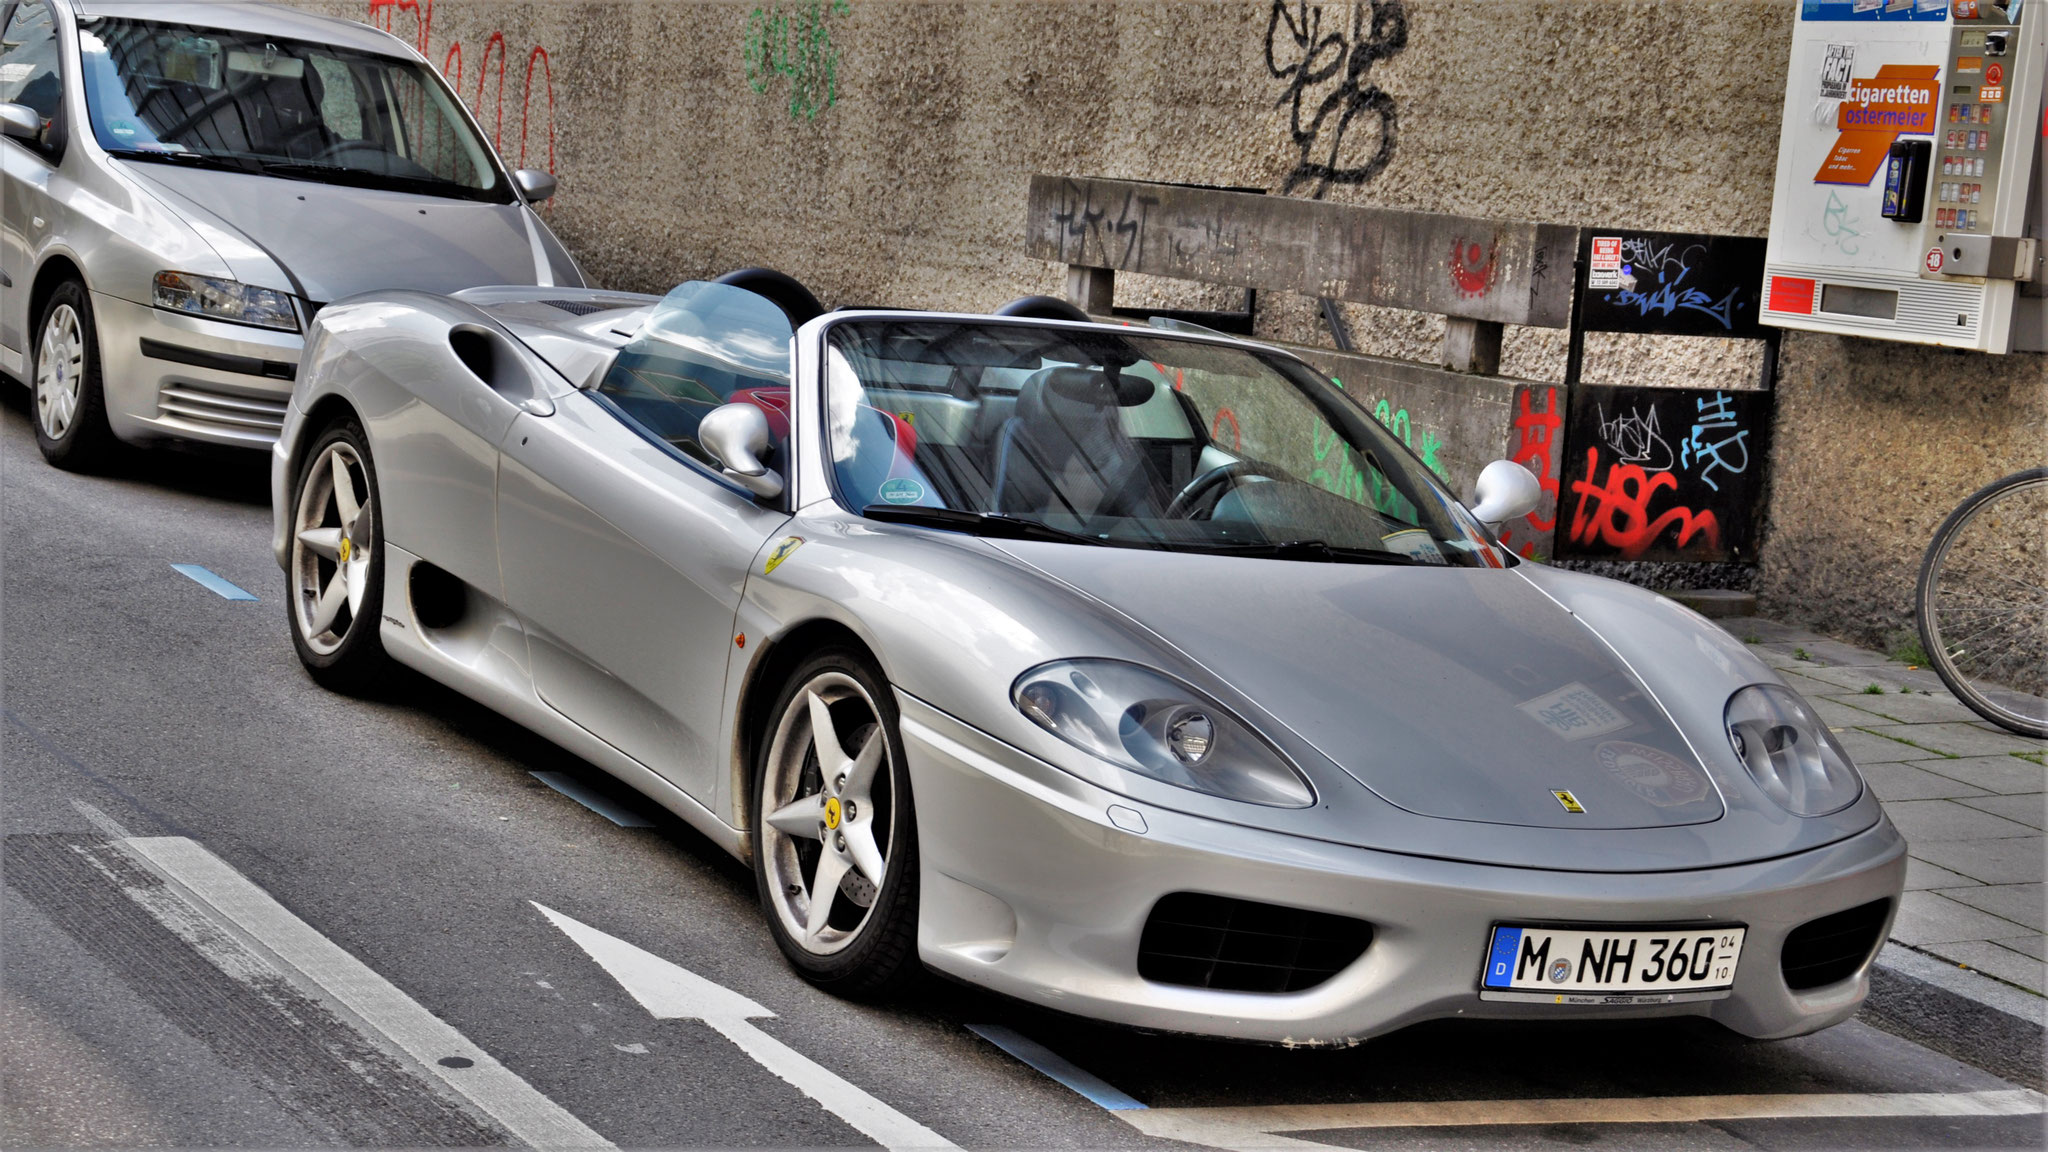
1083, 386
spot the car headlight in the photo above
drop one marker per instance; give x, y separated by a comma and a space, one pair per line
1149, 723
225, 300
1790, 752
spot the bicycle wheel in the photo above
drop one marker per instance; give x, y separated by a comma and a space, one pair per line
1982, 602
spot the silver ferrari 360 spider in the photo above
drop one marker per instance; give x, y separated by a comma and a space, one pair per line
1133, 671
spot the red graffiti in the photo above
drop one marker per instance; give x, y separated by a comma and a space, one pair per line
1226, 416
1536, 442
1618, 515
384, 14
1473, 267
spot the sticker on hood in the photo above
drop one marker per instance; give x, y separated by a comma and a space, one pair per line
1652, 773
1575, 712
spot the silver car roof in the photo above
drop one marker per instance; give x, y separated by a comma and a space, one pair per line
248, 16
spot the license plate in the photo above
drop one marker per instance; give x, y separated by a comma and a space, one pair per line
1579, 966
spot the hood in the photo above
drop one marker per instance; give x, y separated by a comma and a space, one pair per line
339, 241
1463, 694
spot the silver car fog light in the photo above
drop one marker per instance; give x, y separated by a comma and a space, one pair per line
1151, 724
1790, 752
220, 299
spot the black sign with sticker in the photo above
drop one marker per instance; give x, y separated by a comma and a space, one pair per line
1662, 473
1671, 283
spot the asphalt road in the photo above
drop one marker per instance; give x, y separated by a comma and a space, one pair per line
408, 832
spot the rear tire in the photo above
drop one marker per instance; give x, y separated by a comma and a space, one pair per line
335, 579
838, 809
70, 406
1981, 606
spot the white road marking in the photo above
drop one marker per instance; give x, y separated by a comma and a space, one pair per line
224, 899
1255, 1128
671, 992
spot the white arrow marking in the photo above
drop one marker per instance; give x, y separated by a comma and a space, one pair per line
671, 992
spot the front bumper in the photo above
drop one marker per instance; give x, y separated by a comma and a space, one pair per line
1030, 890
171, 376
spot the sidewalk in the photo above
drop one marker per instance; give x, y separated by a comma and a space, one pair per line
1967, 794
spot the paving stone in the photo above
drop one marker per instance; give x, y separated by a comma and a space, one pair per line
1851, 679
2005, 775
1930, 918
2035, 945
2019, 903
1960, 739
2031, 810
1924, 821
2016, 860
1844, 713
1897, 782
1921, 875
1992, 959
1911, 709
1870, 748
1807, 686
1834, 652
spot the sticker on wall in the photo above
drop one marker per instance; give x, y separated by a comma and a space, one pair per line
1835, 70
1605, 269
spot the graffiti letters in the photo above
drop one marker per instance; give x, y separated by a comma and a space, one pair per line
1715, 441
1635, 440
1840, 226
1538, 436
796, 45
1115, 230
384, 14
1653, 280
1616, 513
1472, 267
1301, 52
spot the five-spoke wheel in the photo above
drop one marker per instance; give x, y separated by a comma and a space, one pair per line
337, 565
835, 847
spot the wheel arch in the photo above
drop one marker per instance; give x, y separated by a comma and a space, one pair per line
56, 268
770, 671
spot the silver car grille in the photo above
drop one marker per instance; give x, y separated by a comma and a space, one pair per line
245, 414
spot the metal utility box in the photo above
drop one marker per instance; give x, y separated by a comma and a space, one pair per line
1908, 203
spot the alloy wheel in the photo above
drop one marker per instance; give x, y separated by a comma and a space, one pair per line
60, 371
333, 541
827, 832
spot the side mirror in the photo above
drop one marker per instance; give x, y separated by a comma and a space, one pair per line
1506, 490
736, 435
20, 121
534, 184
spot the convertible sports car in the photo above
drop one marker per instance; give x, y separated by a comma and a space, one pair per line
1134, 671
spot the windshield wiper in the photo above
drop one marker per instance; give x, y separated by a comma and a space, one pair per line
1302, 550
187, 159
991, 524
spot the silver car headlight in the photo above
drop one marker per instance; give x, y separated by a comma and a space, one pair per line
220, 299
1147, 722
1790, 752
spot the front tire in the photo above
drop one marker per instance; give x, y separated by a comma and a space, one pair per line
835, 835
335, 581
70, 404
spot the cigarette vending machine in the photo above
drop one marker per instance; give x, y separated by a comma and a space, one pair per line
1908, 203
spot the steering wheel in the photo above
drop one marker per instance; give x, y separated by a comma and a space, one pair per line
1208, 486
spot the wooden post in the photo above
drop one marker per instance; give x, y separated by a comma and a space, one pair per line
1092, 289
1472, 346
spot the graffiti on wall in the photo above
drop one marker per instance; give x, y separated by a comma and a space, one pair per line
1663, 473
399, 17
795, 44
1672, 284
1344, 125
1536, 440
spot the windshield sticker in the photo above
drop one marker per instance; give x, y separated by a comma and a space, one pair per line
901, 490
1652, 773
788, 545
1575, 712
1416, 544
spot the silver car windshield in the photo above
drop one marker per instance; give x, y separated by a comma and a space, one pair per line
1134, 440
208, 97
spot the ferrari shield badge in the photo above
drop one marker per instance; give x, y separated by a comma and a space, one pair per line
1570, 802
788, 545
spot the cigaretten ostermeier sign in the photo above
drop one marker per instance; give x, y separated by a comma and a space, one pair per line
1899, 101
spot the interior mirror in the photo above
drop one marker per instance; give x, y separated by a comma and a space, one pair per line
534, 184
20, 121
736, 435
1506, 490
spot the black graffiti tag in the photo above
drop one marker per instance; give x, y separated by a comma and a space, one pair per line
1315, 57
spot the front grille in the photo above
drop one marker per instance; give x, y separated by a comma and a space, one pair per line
1243, 946
237, 413
1830, 949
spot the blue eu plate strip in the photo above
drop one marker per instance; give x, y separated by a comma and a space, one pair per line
213, 583
1056, 1066
1500, 964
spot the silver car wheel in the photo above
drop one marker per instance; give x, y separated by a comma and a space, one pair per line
331, 548
827, 832
60, 371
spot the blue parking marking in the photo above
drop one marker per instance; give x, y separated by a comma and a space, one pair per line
1056, 1067
1500, 963
213, 583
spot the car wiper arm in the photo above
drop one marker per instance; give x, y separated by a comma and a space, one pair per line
187, 159
1303, 550
991, 524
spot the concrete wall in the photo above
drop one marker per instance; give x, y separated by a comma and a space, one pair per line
886, 160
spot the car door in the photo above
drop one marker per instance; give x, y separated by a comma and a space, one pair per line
31, 74
623, 551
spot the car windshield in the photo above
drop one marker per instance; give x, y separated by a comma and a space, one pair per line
178, 94
1130, 439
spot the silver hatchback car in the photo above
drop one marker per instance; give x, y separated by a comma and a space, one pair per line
186, 184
